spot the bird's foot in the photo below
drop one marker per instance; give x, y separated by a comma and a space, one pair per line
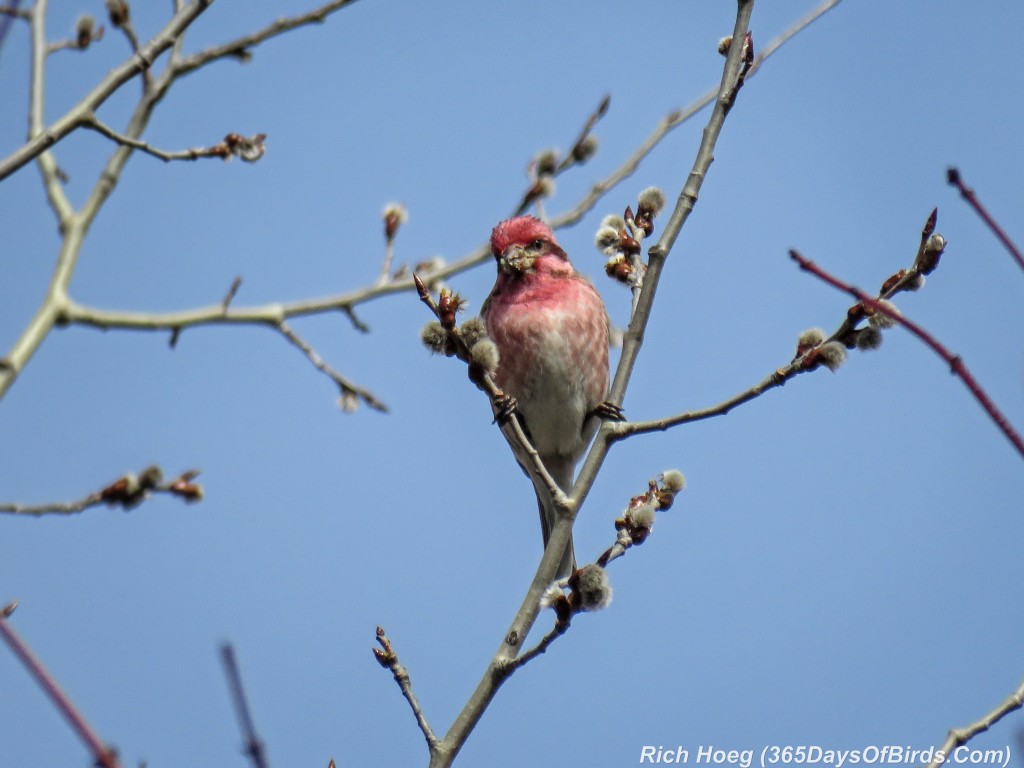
608, 411
505, 407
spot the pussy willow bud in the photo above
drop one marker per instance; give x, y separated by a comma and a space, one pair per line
869, 338
435, 338
614, 221
119, 12
832, 355
84, 30
880, 319
545, 163
607, 241
591, 590
586, 149
930, 254
394, 216
473, 330
485, 354
650, 202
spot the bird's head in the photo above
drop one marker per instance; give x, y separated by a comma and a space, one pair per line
526, 244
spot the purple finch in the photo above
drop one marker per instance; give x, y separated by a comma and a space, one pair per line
551, 330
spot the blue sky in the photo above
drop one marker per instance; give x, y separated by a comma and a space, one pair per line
841, 570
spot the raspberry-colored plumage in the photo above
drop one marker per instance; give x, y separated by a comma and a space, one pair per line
551, 329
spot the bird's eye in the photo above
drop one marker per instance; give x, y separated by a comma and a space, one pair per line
537, 244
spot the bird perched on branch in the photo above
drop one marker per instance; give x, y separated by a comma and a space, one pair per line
551, 330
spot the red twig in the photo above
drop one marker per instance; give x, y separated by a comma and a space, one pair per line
953, 177
105, 757
956, 365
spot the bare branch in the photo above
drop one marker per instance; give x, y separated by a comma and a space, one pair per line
956, 365
127, 492
388, 659
959, 736
353, 318
103, 756
630, 428
239, 48
577, 151
253, 744
42, 139
968, 194
224, 150
37, 89
349, 391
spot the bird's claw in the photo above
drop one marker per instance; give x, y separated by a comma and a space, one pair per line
505, 407
609, 411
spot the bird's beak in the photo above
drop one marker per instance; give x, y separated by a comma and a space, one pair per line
515, 260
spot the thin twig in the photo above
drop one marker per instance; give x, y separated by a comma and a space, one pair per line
385, 266
253, 745
63, 45
353, 318
527, 656
133, 40
968, 194
239, 47
956, 364
232, 291
103, 756
347, 388
388, 659
571, 157
37, 89
959, 736
94, 123
625, 429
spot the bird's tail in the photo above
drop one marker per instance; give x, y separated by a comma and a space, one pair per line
561, 471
